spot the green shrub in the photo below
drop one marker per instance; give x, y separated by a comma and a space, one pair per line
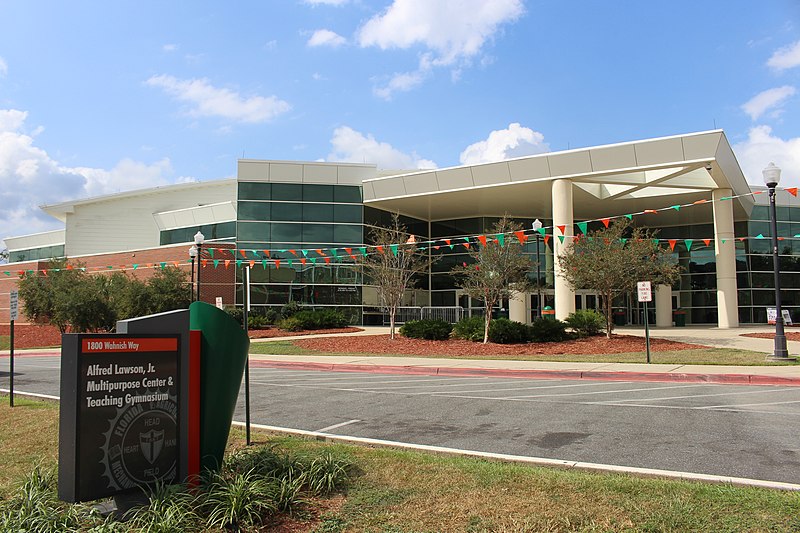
318, 319
548, 330
505, 331
586, 322
431, 329
237, 313
469, 328
256, 321
239, 500
290, 324
290, 309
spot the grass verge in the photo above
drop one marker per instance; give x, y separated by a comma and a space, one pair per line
704, 356
5, 342
402, 491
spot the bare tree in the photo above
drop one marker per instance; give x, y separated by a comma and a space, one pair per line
612, 260
499, 269
393, 261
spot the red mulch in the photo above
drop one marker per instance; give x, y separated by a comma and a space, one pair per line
275, 332
790, 335
379, 344
32, 335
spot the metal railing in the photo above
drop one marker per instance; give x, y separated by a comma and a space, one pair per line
405, 314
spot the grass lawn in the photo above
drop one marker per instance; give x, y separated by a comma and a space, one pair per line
705, 356
402, 491
5, 342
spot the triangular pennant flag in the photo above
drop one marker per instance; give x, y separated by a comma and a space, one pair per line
741, 239
44, 272
379, 248
327, 260
542, 231
655, 241
688, 243
135, 266
561, 238
302, 260
216, 263
707, 242
672, 243
650, 212
436, 247
482, 239
313, 260
582, 226
501, 239
6, 272
264, 264
334, 252
546, 239
466, 245
238, 263
562, 228
349, 251
293, 253
521, 236
252, 263
605, 221
266, 252
243, 252
211, 252
792, 191
319, 252
698, 202
725, 198
676, 207
163, 265
204, 262
363, 250
624, 241
760, 236
304, 252
227, 263
149, 265
174, 263
277, 263
394, 249
290, 263
449, 243
629, 217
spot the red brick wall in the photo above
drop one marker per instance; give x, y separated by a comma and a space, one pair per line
213, 281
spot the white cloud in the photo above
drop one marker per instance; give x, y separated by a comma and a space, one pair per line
786, 57
327, 2
452, 32
514, 141
30, 177
761, 147
208, 101
3, 67
352, 146
770, 99
403, 81
169, 47
326, 38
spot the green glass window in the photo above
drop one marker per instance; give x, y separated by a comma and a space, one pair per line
34, 254
317, 212
222, 230
254, 191
317, 232
347, 213
254, 231
287, 232
254, 210
287, 212
347, 234
287, 191
347, 194
317, 193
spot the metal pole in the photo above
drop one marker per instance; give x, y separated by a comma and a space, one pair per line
199, 255
781, 352
247, 363
538, 276
647, 333
192, 279
11, 362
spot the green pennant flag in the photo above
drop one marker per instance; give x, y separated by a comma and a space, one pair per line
304, 252
135, 266
542, 230
656, 241
216, 263
797, 235
394, 249
582, 226
724, 198
676, 207
163, 265
334, 252
363, 251
623, 240
422, 248
238, 263
264, 263
723, 241
313, 260
760, 236
629, 217
211, 252
108, 267
688, 243
6, 272
465, 239
290, 262
561, 238
501, 239
254, 252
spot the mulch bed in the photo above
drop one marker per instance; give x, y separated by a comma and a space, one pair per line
275, 332
380, 344
32, 335
790, 335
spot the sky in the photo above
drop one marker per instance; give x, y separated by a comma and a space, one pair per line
103, 97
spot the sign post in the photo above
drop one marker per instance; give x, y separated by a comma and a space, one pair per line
247, 362
645, 293
14, 307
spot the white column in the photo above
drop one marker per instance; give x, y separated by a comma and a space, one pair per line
727, 297
663, 306
517, 308
562, 216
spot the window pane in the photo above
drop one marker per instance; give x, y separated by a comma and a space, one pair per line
347, 213
346, 193
254, 210
347, 234
254, 231
317, 193
317, 212
254, 191
287, 212
287, 232
287, 191
317, 232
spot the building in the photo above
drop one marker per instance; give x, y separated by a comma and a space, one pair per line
298, 224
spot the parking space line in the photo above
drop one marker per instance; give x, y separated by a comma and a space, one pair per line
588, 384
697, 396
734, 406
315, 383
604, 391
373, 378
439, 385
341, 424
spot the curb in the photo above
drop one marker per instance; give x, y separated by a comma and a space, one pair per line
26, 353
727, 379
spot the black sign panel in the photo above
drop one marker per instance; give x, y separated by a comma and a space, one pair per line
120, 393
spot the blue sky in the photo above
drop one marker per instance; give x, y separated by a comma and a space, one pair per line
97, 98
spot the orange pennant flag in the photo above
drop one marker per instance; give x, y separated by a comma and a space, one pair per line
707, 242
174, 263
698, 202
482, 238
319, 251
44, 272
672, 243
546, 238
521, 236
327, 260
205, 262
466, 245
252, 263
792, 191
266, 252
349, 251
302, 260
562, 229
605, 221
227, 263
244, 253
650, 211
277, 263
293, 253
380, 248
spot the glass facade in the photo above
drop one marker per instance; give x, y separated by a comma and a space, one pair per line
223, 230
36, 254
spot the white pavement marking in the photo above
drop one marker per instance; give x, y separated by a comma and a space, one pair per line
337, 381
34, 394
534, 460
734, 406
696, 396
598, 384
342, 424
599, 392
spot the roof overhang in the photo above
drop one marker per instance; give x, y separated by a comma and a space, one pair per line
608, 180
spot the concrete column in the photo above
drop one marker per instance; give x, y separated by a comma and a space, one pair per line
663, 306
562, 216
518, 308
727, 297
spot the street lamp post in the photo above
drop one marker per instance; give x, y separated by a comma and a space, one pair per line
199, 238
537, 225
772, 176
192, 256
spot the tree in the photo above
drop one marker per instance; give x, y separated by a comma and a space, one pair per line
43, 294
4, 255
612, 260
499, 269
392, 265
169, 290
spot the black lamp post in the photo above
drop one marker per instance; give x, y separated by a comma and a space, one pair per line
199, 238
192, 256
537, 225
772, 176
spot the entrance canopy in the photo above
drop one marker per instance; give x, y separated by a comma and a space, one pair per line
608, 180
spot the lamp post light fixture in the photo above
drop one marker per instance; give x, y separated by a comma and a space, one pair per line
537, 225
192, 257
772, 176
199, 238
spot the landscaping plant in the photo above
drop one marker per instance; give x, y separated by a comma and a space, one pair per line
505, 331
432, 329
586, 322
469, 328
